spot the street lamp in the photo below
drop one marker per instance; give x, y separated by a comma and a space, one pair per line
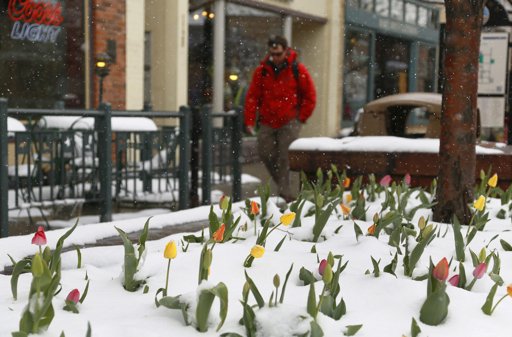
102, 69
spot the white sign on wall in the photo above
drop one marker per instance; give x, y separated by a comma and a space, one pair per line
492, 111
493, 70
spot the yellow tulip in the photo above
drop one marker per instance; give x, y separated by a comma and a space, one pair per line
257, 251
170, 251
493, 181
479, 204
287, 218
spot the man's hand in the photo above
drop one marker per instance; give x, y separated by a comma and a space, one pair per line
250, 130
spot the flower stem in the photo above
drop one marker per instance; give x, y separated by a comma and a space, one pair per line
167, 277
501, 299
320, 300
470, 286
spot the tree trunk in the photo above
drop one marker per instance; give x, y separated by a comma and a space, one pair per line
459, 110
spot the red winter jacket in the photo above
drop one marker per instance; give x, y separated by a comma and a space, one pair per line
275, 96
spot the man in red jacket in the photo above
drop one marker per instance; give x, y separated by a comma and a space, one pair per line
283, 93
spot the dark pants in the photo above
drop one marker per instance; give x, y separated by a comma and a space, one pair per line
273, 151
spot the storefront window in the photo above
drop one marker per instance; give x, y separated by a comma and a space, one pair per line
355, 77
382, 7
426, 68
42, 56
397, 9
422, 16
392, 60
410, 13
247, 32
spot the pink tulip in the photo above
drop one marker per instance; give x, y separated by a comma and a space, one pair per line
322, 266
385, 181
480, 270
454, 280
407, 179
73, 296
39, 238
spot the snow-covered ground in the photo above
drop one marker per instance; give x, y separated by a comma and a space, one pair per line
384, 305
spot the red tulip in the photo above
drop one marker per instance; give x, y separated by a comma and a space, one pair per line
454, 280
440, 271
385, 181
39, 238
480, 270
321, 267
73, 296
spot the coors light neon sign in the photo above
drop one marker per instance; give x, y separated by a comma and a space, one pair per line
35, 20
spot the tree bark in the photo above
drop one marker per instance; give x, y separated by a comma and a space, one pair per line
459, 110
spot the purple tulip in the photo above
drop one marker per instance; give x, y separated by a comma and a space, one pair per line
454, 280
480, 270
322, 266
385, 181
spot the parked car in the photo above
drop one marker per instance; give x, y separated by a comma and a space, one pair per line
411, 115
395, 135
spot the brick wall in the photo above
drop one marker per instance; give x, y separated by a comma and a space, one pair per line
109, 23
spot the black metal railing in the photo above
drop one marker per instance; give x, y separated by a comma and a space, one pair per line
51, 166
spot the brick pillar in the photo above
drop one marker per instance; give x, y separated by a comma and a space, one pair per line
109, 23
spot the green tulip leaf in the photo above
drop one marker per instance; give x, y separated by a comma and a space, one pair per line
352, 329
415, 329
204, 305
316, 330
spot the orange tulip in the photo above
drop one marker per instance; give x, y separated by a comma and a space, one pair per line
440, 271
371, 229
509, 290
345, 209
255, 208
346, 182
218, 236
348, 198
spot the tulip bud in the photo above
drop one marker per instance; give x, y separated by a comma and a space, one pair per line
47, 254
482, 255
482, 175
479, 204
39, 237
330, 259
385, 181
427, 231
37, 265
73, 296
454, 280
345, 209
276, 281
407, 179
371, 229
346, 182
321, 266
170, 250
493, 181
257, 251
255, 208
218, 236
375, 218
287, 219
422, 223
224, 202
480, 270
440, 271
327, 276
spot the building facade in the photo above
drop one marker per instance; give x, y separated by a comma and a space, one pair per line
192, 52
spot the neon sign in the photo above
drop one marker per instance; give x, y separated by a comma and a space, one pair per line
35, 21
